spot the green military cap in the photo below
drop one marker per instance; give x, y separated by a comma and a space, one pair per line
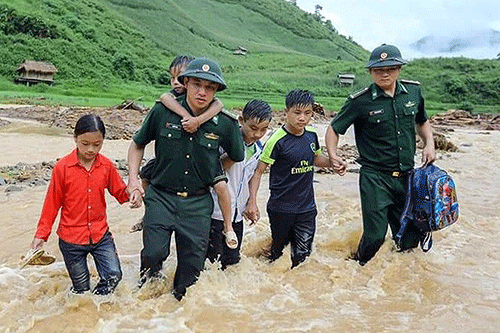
384, 56
206, 69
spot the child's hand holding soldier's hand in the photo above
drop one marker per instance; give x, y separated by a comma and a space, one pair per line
339, 165
136, 199
136, 192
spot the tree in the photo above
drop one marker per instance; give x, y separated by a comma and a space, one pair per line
317, 12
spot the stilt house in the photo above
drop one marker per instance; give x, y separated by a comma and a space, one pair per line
346, 79
32, 72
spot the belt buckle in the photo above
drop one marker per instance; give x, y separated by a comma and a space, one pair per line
182, 194
396, 174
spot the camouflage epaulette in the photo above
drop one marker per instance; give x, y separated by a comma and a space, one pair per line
359, 93
411, 82
230, 114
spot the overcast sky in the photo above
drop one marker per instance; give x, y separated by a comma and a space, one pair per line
400, 22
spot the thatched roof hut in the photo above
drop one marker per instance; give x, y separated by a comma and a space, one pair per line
31, 71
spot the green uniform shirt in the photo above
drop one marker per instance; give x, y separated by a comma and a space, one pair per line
384, 126
188, 162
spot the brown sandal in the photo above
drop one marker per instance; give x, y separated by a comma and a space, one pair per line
37, 257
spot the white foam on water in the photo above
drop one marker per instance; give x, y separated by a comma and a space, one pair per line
453, 287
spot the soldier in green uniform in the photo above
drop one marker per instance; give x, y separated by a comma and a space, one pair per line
178, 198
386, 116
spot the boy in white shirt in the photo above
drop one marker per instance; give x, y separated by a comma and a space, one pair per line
254, 122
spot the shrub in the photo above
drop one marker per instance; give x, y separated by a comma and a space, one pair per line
12, 23
466, 106
124, 67
456, 87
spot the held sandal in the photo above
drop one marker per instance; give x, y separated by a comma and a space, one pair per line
37, 257
231, 239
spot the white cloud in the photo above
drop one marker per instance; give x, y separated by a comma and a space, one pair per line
372, 22
495, 25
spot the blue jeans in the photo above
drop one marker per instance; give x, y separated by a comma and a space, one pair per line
106, 262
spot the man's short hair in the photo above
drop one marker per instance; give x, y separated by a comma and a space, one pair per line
299, 97
257, 109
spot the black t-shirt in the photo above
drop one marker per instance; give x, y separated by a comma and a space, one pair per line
292, 170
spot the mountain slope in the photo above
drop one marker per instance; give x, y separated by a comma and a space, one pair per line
215, 27
106, 40
84, 39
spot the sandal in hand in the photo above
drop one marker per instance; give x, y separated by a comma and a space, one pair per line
231, 239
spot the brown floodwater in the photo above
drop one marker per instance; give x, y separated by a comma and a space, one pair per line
452, 288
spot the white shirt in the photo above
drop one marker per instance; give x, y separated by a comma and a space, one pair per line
238, 175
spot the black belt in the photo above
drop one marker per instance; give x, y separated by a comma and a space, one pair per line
395, 174
186, 194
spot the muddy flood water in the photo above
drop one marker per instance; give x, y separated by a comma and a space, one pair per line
452, 288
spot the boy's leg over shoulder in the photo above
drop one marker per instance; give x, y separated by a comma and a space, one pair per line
232, 256
215, 245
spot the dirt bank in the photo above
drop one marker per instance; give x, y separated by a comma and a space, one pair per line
121, 124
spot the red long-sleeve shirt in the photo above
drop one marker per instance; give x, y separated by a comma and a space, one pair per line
80, 196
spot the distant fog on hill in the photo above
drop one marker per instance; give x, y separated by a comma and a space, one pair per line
477, 45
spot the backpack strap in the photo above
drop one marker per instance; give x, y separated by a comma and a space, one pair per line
426, 241
259, 144
407, 215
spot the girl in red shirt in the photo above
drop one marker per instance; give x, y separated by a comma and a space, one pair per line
77, 190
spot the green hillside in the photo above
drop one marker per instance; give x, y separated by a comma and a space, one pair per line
216, 28
134, 40
108, 50
84, 39
461, 81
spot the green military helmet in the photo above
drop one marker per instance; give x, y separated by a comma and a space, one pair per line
206, 69
384, 56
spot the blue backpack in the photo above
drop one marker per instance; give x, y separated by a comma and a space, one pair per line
431, 203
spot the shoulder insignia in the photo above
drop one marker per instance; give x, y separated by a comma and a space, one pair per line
359, 93
411, 82
230, 114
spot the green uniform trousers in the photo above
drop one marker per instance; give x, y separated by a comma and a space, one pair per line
190, 219
382, 203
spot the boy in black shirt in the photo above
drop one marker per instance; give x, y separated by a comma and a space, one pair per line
292, 151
